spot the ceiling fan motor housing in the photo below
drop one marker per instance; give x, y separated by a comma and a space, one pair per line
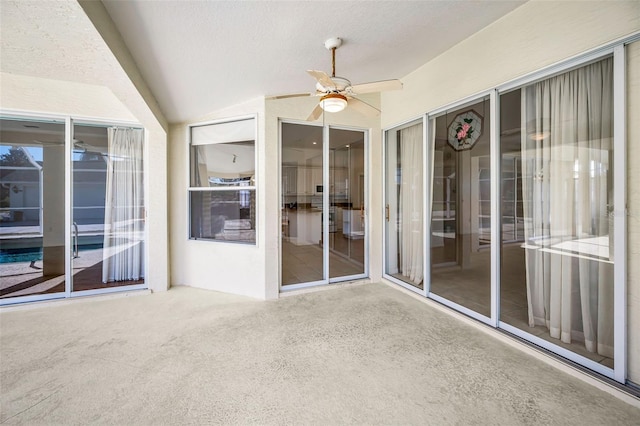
340, 85
333, 43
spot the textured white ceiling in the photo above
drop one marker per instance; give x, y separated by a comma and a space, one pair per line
200, 56
56, 40
52, 40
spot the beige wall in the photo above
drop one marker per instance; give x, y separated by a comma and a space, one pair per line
245, 269
214, 265
42, 95
157, 216
532, 37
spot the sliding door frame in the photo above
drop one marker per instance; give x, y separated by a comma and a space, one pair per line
325, 205
617, 52
69, 122
365, 137
426, 216
68, 205
495, 257
620, 212
299, 286
145, 180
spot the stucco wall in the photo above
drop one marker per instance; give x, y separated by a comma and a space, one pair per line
214, 265
533, 36
42, 95
245, 269
536, 35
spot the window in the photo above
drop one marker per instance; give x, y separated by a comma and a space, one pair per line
222, 192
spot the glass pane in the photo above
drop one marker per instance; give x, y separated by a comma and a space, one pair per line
302, 204
32, 181
225, 164
404, 257
557, 270
108, 207
223, 154
461, 215
228, 215
346, 203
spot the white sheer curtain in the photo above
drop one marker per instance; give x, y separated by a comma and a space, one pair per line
123, 250
411, 204
567, 188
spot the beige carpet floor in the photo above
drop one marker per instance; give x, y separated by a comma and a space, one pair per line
359, 354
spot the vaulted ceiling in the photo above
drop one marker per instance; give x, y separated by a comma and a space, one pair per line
200, 56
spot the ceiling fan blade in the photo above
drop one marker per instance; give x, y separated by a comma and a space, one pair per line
363, 107
317, 111
290, 95
377, 86
322, 78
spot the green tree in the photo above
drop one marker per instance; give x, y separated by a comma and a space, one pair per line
15, 157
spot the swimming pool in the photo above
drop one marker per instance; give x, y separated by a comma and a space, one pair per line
29, 254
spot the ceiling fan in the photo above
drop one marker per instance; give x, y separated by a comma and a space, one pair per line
338, 92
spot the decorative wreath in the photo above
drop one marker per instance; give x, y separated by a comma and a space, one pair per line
465, 130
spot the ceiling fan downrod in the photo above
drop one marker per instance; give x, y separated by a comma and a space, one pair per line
333, 62
332, 44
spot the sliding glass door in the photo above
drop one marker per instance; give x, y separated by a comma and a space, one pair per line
557, 277
461, 208
108, 207
526, 221
404, 204
302, 204
32, 208
71, 209
323, 205
346, 203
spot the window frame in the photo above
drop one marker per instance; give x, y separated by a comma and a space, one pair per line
191, 189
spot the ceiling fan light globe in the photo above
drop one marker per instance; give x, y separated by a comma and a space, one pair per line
333, 102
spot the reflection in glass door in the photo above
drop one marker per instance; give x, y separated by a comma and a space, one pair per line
108, 207
346, 203
60, 236
323, 205
461, 208
32, 208
302, 204
404, 257
557, 275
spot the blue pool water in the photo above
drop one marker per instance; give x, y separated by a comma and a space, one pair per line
33, 253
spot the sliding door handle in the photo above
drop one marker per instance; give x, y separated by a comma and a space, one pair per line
386, 212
